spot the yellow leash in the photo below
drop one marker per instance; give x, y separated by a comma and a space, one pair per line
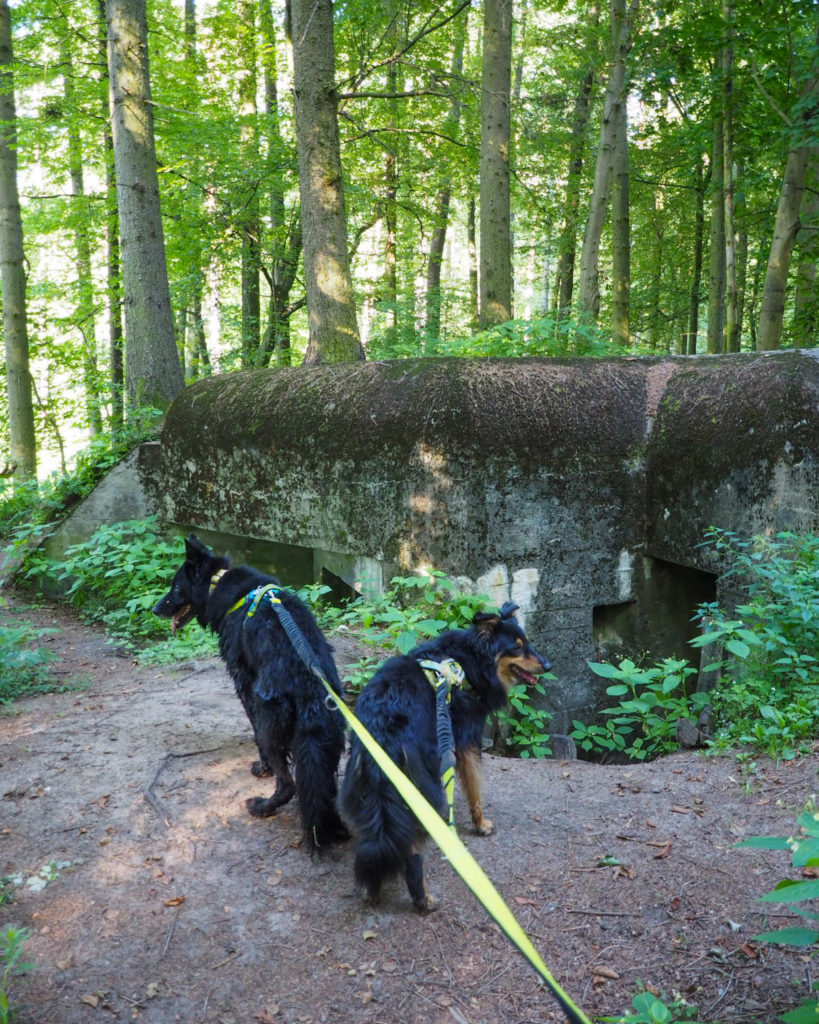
459, 857
445, 837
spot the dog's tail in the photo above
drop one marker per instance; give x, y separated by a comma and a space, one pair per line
386, 831
316, 754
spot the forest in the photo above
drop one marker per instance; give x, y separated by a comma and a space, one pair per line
190, 188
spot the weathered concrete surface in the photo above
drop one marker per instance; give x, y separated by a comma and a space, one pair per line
557, 484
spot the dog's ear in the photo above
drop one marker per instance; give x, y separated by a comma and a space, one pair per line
508, 610
195, 550
485, 622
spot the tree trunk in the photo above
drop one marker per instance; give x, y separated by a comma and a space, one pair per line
331, 313
716, 277
622, 20
432, 323
249, 219
495, 278
689, 346
472, 247
786, 225
112, 262
806, 301
621, 240
153, 376
81, 222
12, 270
567, 244
730, 336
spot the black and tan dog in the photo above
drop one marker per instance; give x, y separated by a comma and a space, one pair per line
284, 700
398, 707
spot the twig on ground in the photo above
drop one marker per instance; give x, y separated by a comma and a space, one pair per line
149, 795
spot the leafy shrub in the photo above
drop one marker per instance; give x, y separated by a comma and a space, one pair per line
804, 854
23, 663
12, 940
116, 577
643, 723
525, 727
767, 697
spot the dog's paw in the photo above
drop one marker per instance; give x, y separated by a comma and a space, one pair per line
261, 808
426, 905
484, 827
260, 769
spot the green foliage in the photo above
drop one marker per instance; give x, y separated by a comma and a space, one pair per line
652, 1009
642, 723
411, 610
116, 577
12, 940
545, 336
804, 850
768, 695
24, 663
28, 509
526, 727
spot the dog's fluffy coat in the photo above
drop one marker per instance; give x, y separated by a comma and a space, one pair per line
284, 700
397, 706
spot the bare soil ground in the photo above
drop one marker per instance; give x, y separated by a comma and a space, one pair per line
170, 903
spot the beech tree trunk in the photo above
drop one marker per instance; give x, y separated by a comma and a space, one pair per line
689, 342
495, 277
731, 335
153, 375
806, 300
12, 270
81, 223
567, 244
331, 312
622, 19
716, 274
112, 262
432, 323
786, 225
621, 236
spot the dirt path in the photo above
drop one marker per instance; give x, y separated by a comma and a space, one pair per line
169, 903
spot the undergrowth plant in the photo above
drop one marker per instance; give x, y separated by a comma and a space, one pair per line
24, 662
12, 940
643, 723
804, 849
767, 697
115, 578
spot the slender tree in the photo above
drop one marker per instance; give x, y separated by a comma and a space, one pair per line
333, 328
731, 330
622, 20
81, 217
153, 375
716, 272
786, 224
12, 270
432, 326
495, 277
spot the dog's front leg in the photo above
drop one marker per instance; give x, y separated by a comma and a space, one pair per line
468, 766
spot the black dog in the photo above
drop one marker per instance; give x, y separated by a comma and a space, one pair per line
284, 700
398, 707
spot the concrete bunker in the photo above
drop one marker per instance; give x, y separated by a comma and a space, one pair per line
579, 489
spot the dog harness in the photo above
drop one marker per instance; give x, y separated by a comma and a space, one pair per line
443, 675
255, 596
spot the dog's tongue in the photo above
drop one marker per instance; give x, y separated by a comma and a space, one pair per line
180, 618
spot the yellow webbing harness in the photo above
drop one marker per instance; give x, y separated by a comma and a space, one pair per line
443, 675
